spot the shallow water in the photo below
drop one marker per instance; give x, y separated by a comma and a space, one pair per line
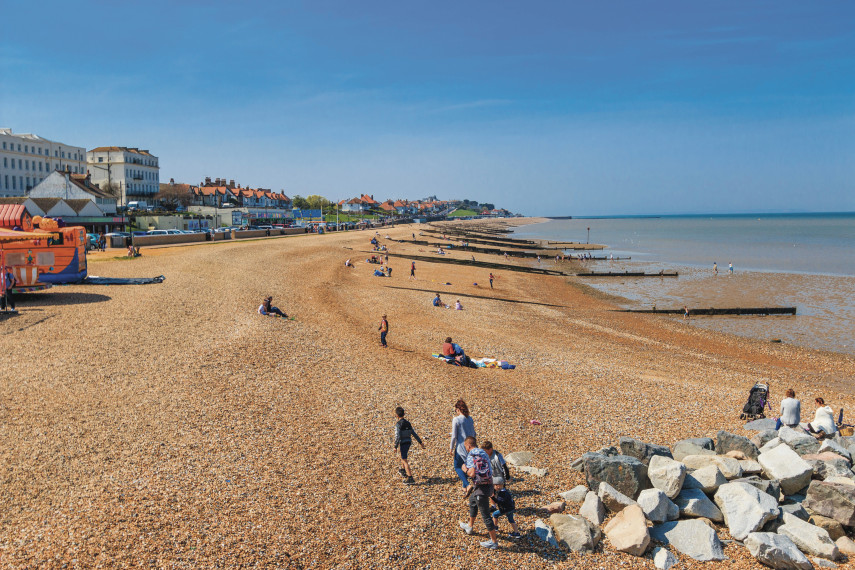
815, 272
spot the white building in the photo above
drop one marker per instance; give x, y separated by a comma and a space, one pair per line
27, 159
134, 172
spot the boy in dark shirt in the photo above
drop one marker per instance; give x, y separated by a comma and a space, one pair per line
505, 506
404, 433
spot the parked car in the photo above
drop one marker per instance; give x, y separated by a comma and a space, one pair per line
118, 234
158, 232
91, 241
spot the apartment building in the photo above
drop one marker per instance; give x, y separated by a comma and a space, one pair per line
27, 159
133, 172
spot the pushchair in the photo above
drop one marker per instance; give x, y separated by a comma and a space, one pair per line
758, 400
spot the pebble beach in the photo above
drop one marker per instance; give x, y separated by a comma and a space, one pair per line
170, 425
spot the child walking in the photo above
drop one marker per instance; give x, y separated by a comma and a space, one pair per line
384, 330
404, 434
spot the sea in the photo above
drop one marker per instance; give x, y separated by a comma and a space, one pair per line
801, 260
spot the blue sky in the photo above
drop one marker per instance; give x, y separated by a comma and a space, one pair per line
546, 108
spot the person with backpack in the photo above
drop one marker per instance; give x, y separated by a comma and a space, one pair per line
502, 498
478, 468
462, 426
404, 434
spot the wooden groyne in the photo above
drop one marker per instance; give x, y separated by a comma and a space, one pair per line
712, 311
545, 254
484, 264
626, 274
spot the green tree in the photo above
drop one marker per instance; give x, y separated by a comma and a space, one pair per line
299, 203
316, 202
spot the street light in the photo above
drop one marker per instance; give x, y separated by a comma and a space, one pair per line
589, 236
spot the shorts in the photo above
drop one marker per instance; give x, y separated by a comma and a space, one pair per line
405, 450
481, 503
510, 514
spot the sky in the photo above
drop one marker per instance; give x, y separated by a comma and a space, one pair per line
558, 108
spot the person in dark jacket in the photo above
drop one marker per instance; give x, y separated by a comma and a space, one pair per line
404, 434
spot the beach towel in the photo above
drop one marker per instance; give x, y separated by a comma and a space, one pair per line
484, 362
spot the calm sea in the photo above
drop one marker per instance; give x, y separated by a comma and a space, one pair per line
801, 260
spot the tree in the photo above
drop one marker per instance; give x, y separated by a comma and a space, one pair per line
173, 195
316, 202
488, 206
299, 203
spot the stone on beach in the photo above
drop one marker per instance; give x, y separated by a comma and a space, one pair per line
750, 467
795, 509
799, 441
690, 537
575, 495
693, 446
727, 442
663, 559
832, 446
763, 437
579, 464
708, 479
832, 500
771, 444
657, 506
532, 470
641, 450
614, 500
666, 475
519, 458
831, 526
809, 538
745, 508
776, 551
556, 507
593, 509
785, 465
768, 486
626, 474
827, 465
841, 480
761, 425
627, 532
728, 466
575, 533
694, 503
845, 545
544, 533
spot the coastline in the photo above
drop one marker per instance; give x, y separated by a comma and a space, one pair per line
183, 428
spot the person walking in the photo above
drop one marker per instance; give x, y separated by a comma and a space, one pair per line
8, 299
478, 467
384, 330
491, 281
685, 312
715, 268
404, 434
413, 270
462, 426
730, 268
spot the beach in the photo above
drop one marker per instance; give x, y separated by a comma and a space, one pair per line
172, 425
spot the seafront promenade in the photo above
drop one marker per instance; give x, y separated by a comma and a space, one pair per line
171, 425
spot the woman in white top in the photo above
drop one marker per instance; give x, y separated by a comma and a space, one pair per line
791, 411
823, 421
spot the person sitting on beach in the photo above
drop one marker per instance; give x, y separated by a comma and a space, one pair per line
458, 306
791, 411
379, 273
823, 421
447, 348
437, 302
348, 264
267, 309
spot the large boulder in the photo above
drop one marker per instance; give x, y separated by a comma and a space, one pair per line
593, 509
750, 467
728, 466
614, 500
845, 545
785, 465
694, 503
708, 479
693, 446
776, 551
827, 465
832, 446
641, 450
579, 464
831, 526
795, 509
799, 441
666, 475
833, 500
727, 442
692, 538
627, 532
663, 559
519, 458
745, 508
763, 437
544, 532
768, 486
657, 507
626, 474
771, 444
575, 533
764, 424
575, 495
809, 538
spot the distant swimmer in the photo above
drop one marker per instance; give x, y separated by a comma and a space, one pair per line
730, 268
685, 313
715, 267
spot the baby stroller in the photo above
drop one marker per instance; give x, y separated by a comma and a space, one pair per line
758, 400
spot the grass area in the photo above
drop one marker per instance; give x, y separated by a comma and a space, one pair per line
461, 213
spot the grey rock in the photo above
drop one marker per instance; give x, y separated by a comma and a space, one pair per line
693, 446
771, 444
822, 563
593, 509
809, 538
518, 458
729, 466
746, 509
663, 559
666, 475
831, 526
544, 533
575, 533
708, 479
614, 500
691, 537
784, 464
799, 441
776, 551
626, 474
657, 507
765, 424
694, 503
834, 447
532, 470
727, 442
796, 509
575, 495
609, 451
846, 480
750, 467
763, 437
641, 450
825, 468
579, 464
768, 486
832, 500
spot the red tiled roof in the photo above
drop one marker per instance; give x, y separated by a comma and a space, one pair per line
366, 199
386, 206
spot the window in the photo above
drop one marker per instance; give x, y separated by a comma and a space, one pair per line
19, 148
20, 164
4, 145
40, 167
7, 181
56, 154
40, 150
13, 164
5, 162
47, 166
26, 165
28, 183
100, 159
26, 148
13, 185
63, 154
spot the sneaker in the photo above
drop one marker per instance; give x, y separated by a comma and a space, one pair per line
409, 481
466, 528
514, 535
403, 472
490, 544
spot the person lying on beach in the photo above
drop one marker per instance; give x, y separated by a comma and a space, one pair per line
823, 421
267, 309
437, 302
379, 273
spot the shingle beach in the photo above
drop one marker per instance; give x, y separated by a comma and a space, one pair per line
170, 425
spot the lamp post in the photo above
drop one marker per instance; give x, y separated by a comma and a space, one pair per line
589, 236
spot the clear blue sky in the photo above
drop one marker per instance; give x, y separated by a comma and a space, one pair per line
561, 108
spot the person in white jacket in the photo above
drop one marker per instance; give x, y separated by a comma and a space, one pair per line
823, 420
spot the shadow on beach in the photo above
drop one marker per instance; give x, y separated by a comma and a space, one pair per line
453, 294
52, 298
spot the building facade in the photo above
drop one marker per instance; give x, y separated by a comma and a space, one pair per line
134, 173
27, 159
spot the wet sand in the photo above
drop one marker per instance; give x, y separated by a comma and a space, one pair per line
171, 425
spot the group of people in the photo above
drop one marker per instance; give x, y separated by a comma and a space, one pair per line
823, 424
715, 268
438, 302
453, 354
267, 309
482, 472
